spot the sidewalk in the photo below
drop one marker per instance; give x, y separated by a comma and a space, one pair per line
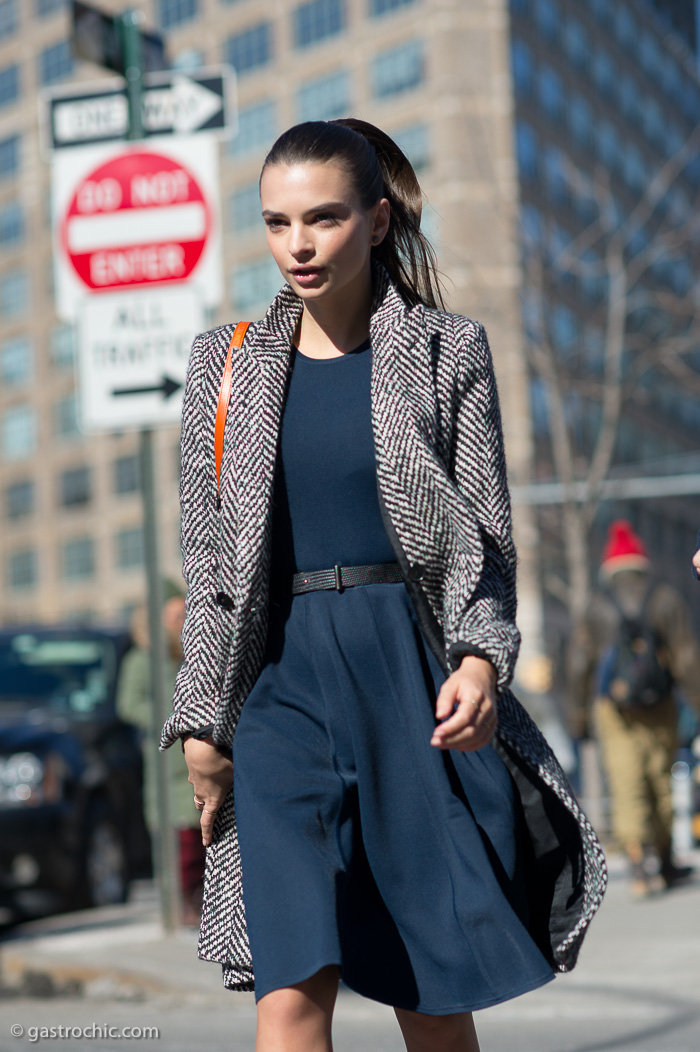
121, 953
113, 952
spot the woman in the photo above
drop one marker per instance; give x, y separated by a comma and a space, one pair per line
383, 831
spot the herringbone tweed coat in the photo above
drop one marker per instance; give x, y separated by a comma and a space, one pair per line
443, 492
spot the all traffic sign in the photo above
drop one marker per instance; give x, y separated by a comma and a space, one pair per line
133, 353
140, 215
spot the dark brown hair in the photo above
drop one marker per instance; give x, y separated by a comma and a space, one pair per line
378, 168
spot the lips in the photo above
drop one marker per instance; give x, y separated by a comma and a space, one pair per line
306, 272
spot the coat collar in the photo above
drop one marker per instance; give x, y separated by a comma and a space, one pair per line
275, 332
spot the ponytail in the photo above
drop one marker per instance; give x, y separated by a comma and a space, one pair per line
378, 168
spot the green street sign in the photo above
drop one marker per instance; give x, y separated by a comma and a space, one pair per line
99, 38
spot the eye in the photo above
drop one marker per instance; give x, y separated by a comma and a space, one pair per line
327, 218
274, 223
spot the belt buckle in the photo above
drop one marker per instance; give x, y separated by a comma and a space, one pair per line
338, 578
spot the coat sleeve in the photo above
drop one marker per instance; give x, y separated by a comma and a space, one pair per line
197, 687
485, 624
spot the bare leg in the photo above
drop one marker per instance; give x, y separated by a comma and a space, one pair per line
298, 1018
438, 1033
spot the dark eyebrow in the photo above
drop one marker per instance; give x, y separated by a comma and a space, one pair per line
328, 206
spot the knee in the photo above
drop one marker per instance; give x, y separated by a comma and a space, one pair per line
433, 1032
309, 1003
286, 1008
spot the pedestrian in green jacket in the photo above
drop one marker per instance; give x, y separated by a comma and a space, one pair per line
135, 705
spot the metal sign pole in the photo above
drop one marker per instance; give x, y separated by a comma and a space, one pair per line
167, 850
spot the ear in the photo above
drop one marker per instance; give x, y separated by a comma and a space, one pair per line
380, 221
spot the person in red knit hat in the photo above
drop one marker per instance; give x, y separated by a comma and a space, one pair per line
635, 646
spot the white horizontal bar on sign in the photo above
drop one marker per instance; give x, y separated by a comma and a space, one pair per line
137, 226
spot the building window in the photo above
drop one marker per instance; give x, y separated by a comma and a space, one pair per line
624, 25
630, 97
11, 224
634, 167
130, 551
601, 9
324, 98
317, 20
47, 7
22, 569
173, 12
653, 121
78, 558
18, 432
608, 143
55, 62
257, 129
398, 70
414, 140
521, 60
250, 49
650, 56
9, 85
244, 208
526, 149
551, 92
62, 346
539, 405
581, 120
19, 499
76, 487
377, 8
127, 476
565, 329
576, 43
16, 361
66, 416
603, 71
9, 156
14, 293
9, 20
546, 17
255, 283
554, 173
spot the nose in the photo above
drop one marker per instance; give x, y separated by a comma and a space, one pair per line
300, 242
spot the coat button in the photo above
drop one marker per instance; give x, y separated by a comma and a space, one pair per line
224, 600
416, 572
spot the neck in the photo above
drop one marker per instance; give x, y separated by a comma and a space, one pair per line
328, 329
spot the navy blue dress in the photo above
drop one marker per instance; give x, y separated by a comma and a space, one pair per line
362, 845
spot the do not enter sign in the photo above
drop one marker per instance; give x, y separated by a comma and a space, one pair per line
137, 219
134, 217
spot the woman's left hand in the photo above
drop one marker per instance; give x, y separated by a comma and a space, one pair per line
471, 690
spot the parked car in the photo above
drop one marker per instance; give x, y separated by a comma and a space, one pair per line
71, 825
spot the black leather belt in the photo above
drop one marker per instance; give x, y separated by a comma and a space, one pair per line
340, 577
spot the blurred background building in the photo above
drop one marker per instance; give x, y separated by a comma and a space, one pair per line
525, 120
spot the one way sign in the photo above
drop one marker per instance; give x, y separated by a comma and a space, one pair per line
173, 103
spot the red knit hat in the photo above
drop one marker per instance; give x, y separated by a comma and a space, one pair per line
624, 550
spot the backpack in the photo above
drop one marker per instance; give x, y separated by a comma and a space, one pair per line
633, 671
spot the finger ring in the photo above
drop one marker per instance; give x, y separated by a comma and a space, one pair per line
209, 812
475, 703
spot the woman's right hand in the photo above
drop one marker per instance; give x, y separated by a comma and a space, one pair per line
211, 774
696, 563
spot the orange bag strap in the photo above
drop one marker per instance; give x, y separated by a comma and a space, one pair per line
224, 396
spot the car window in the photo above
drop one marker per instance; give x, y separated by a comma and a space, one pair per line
69, 675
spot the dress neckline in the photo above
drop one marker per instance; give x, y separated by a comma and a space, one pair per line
364, 346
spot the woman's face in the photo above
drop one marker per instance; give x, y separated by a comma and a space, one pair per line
319, 233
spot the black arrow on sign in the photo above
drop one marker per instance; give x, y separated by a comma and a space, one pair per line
167, 387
